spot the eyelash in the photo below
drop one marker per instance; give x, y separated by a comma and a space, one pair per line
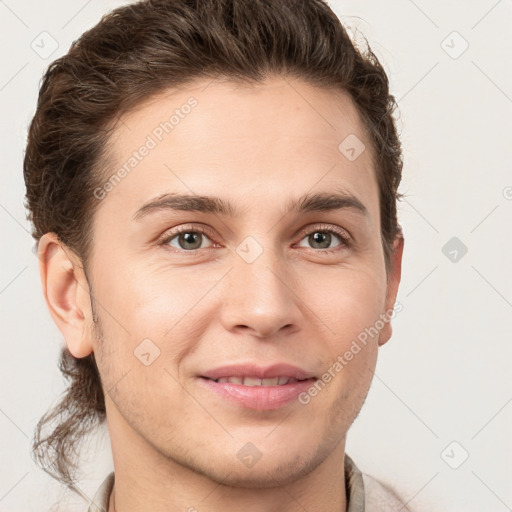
342, 235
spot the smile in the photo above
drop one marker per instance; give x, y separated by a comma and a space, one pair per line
255, 381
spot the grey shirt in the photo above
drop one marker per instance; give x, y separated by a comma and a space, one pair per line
364, 493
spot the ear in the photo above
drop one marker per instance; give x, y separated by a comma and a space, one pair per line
66, 293
395, 273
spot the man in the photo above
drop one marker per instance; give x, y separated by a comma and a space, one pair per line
213, 188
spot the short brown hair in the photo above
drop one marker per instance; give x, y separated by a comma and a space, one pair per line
144, 48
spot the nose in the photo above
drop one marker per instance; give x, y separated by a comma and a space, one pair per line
261, 298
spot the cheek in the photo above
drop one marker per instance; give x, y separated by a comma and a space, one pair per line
166, 307
345, 302
143, 299
353, 302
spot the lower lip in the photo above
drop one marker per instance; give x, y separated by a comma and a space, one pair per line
258, 397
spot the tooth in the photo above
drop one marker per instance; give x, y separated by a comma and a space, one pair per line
270, 382
282, 380
235, 380
222, 379
291, 379
251, 381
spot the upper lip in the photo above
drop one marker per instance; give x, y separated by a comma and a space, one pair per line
260, 372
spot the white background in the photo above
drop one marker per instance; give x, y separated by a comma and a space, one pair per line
445, 375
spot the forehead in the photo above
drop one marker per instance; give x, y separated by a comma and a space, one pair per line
257, 144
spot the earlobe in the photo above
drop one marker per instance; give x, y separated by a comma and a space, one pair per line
395, 273
63, 286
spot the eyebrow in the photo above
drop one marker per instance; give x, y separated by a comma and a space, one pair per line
320, 202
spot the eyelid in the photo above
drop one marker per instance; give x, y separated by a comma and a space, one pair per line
342, 233
185, 228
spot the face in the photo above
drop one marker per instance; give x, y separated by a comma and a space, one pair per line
275, 271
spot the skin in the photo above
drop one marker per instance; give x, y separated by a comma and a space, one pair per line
174, 443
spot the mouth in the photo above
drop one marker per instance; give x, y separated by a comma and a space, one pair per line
255, 381
258, 388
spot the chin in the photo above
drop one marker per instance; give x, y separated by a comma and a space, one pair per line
263, 474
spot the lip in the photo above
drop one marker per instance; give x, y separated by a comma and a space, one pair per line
258, 397
261, 372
